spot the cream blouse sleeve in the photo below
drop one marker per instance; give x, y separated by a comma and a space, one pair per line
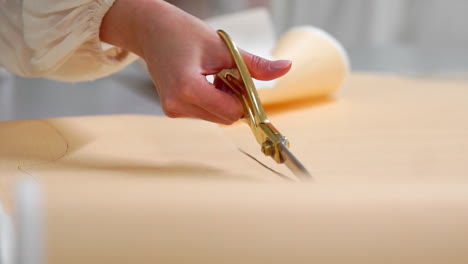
57, 39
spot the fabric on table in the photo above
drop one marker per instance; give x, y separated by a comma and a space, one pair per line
388, 158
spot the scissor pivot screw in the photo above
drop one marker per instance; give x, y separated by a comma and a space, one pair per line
268, 149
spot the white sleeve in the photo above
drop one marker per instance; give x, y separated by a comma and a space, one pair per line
57, 39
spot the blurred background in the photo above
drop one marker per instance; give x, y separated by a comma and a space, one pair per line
404, 36
420, 38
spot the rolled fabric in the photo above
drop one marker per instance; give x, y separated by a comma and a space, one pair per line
320, 66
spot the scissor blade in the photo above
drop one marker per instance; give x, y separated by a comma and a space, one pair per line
294, 164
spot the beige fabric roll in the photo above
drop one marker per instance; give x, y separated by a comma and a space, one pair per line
320, 66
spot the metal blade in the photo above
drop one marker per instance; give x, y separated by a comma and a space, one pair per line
294, 164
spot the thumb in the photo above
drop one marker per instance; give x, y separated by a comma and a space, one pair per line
263, 69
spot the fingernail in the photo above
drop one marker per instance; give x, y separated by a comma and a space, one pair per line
280, 64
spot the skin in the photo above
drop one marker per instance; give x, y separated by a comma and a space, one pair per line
180, 50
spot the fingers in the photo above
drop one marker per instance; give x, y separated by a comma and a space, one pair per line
202, 100
221, 85
197, 112
260, 68
263, 69
218, 102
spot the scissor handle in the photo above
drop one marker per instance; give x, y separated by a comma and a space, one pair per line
242, 75
241, 83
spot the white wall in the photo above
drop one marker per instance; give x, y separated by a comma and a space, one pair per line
422, 23
404, 36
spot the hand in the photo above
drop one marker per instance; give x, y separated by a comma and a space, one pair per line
180, 50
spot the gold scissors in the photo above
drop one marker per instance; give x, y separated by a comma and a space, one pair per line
270, 139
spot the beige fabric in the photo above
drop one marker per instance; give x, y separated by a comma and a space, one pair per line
120, 146
57, 39
377, 128
149, 219
320, 66
388, 156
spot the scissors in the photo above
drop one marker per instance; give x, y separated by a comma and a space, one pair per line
272, 142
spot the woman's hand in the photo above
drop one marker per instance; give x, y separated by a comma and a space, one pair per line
180, 50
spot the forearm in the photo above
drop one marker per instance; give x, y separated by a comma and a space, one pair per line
128, 22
